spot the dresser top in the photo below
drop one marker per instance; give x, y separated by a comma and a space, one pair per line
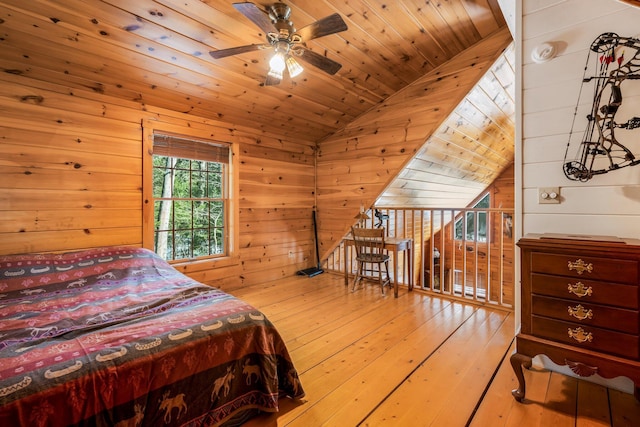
582, 240
587, 237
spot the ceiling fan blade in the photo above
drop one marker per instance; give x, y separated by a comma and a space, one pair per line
327, 65
323, 27
222, 53
257, 16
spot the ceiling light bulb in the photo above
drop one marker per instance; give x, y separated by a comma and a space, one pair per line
277, 65
293, 66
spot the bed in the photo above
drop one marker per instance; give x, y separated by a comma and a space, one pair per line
117, 337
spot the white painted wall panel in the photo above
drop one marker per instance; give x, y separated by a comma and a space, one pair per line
607, 204
562, 68
547, 174
591, 225
562, 94
543, 149
577, 38
615, 201
532, 6
550, 122
566, 15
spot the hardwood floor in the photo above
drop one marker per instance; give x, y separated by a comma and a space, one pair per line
418, 360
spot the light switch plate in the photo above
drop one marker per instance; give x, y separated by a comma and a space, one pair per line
548, 195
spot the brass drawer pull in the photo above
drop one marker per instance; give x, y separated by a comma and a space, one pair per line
580, 335
579, 290
580, 267
580, 313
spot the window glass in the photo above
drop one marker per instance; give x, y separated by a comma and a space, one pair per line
473, 224
190, 198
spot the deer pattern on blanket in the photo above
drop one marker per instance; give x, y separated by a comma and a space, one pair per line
222, 384
135, 420
168, 404
252, 372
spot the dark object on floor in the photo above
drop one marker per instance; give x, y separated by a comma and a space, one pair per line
313, 271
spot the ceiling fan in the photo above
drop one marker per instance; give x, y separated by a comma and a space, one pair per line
287, 42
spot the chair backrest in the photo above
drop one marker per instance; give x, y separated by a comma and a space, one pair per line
368, 241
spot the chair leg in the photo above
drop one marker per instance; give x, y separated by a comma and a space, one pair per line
380, 281
358, 277
386, 267
355, 279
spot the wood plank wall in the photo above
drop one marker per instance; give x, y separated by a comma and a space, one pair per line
71, 178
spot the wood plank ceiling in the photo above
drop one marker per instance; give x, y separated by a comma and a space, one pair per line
155, 52
467, 151
356, 164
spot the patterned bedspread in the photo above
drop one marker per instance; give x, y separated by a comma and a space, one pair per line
117, 337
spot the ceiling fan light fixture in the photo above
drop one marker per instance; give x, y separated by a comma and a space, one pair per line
293, 67
277, 65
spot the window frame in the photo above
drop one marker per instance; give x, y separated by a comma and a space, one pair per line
150, 129
476, 214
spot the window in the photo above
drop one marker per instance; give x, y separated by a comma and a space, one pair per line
474, 226
191, 201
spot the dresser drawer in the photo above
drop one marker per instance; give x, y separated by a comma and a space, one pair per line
580, 302
616, 343
575, 265
617, 319
590, 291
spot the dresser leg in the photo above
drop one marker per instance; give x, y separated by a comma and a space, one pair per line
518, 362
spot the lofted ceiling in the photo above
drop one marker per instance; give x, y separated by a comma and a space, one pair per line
156, 52
467, 151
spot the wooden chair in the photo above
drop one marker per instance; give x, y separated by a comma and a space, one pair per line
370, 252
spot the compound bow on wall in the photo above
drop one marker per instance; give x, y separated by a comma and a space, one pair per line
618, 60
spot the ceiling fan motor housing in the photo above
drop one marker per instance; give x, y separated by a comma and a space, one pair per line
279, 14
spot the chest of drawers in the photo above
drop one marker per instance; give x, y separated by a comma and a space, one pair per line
579, 306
